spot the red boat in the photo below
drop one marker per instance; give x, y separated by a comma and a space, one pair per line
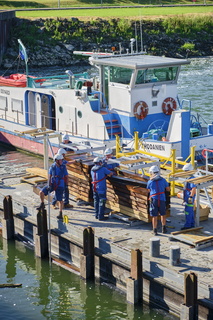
14, 80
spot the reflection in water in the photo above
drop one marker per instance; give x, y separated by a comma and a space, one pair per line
50, 292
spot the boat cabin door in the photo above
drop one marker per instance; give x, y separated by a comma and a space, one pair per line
46, 111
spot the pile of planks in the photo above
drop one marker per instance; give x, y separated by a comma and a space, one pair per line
127, 194
79, 168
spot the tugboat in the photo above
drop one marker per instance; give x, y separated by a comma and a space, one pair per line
131, 92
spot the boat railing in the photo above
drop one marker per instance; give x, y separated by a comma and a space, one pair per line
185, 104
57, 81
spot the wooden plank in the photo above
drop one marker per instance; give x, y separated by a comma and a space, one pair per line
33, 130
38, 171
42, 133
201, 179
186, 230
183, 174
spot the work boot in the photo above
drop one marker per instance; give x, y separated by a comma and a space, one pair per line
164, 230
60, 217
155, 232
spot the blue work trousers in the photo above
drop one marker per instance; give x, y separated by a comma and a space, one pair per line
99, 204
65, 197
189, 216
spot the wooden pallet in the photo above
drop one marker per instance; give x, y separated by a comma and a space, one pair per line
33, 179
195, 237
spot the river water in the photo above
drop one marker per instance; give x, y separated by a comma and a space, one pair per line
49, 291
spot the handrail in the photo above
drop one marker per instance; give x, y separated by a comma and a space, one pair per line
204, 151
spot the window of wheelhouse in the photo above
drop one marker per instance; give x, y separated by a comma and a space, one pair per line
157, 75
120, 75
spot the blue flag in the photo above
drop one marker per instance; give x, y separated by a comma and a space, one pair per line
22, 51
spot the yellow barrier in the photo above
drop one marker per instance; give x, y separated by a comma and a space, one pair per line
168, 163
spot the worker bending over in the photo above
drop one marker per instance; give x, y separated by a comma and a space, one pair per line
157, 187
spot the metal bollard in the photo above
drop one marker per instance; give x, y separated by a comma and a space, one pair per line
154, 249
174, 256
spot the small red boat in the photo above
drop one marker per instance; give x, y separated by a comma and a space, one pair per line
14, 80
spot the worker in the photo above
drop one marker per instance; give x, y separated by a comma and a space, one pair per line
157, 187
58, 178
66, 203
189, 192
99, 174
112, 166
65, 140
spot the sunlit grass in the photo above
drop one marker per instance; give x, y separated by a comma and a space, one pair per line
116, 13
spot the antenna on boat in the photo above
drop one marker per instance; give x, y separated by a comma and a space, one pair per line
136, 37
23, 56
141, 33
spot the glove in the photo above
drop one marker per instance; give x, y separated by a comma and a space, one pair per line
190, 200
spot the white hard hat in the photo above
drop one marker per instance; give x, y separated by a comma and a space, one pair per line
61, 151
108, 151
188, 167
58, 157
154, 169
65, 137
97, 160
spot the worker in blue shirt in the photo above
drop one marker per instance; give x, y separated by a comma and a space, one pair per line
112, 166
189, 192
58, 177
99, 174
65, 140
157, 187
66, 203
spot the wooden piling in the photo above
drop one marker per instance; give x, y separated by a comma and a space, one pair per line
87, 257
8, 232
189, 307
41, 237
134, 284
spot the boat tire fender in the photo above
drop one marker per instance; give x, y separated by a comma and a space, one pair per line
140, 110
169, 105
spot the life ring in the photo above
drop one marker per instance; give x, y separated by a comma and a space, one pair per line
169, 105
140, 110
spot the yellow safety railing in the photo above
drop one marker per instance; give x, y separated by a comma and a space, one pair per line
168, 163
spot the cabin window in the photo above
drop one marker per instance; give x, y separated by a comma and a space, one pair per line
3, 103
79, 114
17, 105
156, 75
61, 109
120, 75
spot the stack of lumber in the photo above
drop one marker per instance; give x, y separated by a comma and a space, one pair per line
79, 176
127, 194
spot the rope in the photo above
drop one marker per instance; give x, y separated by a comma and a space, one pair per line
18, 57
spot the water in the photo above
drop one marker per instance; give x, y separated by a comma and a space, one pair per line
51, 292
54, 293
196, 84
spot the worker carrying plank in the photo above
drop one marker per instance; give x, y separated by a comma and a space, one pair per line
99, 174
189, 193
157, 187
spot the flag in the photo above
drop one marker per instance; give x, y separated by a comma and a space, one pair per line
22, 51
